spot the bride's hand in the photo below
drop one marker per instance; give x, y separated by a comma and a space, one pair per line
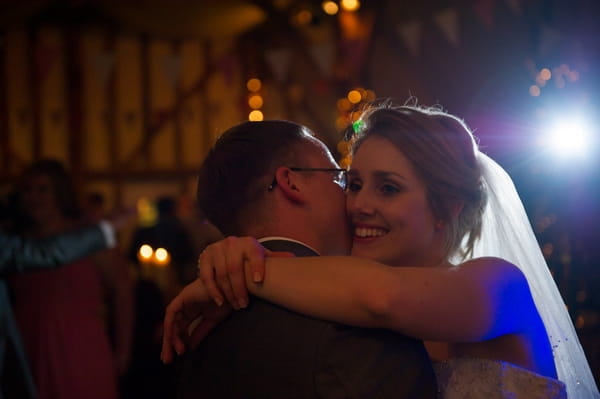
221, 269
190, 316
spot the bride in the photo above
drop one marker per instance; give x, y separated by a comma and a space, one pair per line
469, 278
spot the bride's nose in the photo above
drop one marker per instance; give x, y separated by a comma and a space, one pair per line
360, 203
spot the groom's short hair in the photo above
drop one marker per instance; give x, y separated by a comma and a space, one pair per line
238, 170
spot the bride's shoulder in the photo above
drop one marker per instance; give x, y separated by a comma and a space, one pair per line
493, 263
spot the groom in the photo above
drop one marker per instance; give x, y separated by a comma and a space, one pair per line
274, 181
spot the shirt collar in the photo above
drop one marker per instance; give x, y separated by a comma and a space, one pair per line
271, 238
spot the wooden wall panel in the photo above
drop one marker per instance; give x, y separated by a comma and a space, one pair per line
129, 95
224, 94
162, 100
124, 84
97, 68
50, 54
194, 142
19, 108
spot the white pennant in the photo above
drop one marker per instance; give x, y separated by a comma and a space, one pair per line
410, 33
279, 61
103, 64
447, 21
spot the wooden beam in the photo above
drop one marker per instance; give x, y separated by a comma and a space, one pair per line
147, 174
34, 93
4, 125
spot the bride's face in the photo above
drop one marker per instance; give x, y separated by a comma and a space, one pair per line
388, 209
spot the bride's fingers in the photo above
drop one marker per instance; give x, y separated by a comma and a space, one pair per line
219, 264
235, 256
170, 331
206, 273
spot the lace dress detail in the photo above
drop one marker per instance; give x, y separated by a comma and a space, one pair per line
468, 378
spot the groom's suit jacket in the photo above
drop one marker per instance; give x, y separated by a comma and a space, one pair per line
266, 351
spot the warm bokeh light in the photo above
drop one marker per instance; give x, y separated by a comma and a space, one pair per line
344, 105
161, 256
545, 74
534, 90
354, 96
145, 252
255, 116
541, 82
146, 212
350, 5
254, 85
341, 123
573, 76
369, 95
330, 7
303, 17
255, 101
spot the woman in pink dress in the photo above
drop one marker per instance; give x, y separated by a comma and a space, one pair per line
62, 313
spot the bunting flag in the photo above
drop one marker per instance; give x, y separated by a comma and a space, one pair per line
514, 5
279, 61
484, 9
447, 21
45, 59
356, 33
323, 54
410, 33
227, 64
103, 64
172, 66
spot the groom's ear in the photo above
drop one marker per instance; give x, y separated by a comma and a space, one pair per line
290, 184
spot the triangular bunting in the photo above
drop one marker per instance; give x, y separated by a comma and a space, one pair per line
103, 64
356, 34
279, 61
447, 21
323, 55
485, 11
172, 65
514, 5
410, 33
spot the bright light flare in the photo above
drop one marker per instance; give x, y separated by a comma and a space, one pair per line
570, 138
161, 257
146, 252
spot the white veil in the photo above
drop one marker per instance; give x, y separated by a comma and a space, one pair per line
507, 234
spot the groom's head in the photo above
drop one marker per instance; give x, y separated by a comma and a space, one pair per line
251, 184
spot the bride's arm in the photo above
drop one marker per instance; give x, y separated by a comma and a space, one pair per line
478, 300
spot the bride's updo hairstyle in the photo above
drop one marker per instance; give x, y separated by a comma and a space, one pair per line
442, 150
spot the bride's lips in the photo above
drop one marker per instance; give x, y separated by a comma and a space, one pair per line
363, 233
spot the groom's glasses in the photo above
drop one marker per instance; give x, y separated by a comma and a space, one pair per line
340, 176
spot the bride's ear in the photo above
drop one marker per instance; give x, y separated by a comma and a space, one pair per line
290, 184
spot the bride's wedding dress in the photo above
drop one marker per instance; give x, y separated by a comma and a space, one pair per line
468, 378
507, 233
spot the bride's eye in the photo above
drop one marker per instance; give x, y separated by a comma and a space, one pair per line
354, 185
389, 189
